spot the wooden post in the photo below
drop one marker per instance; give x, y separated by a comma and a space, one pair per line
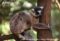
45, 34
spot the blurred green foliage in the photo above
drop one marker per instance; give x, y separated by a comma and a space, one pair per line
13, 5
55, 21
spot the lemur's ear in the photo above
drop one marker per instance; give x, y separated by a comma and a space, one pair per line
41, 7
32, 9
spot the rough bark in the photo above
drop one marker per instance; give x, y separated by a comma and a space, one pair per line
45, 33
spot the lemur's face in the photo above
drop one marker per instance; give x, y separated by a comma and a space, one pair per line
38, 10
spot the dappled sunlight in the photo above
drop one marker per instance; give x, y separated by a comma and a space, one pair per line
5, 28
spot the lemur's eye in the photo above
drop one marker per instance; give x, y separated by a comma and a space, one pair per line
32, 9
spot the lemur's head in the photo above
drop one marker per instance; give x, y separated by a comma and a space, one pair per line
38, 10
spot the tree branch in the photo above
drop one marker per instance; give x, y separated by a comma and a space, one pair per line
7, 37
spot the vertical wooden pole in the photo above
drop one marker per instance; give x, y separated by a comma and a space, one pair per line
45, 34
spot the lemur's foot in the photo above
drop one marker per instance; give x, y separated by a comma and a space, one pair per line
22, 37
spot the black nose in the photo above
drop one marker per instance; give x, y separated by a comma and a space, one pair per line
38, 12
